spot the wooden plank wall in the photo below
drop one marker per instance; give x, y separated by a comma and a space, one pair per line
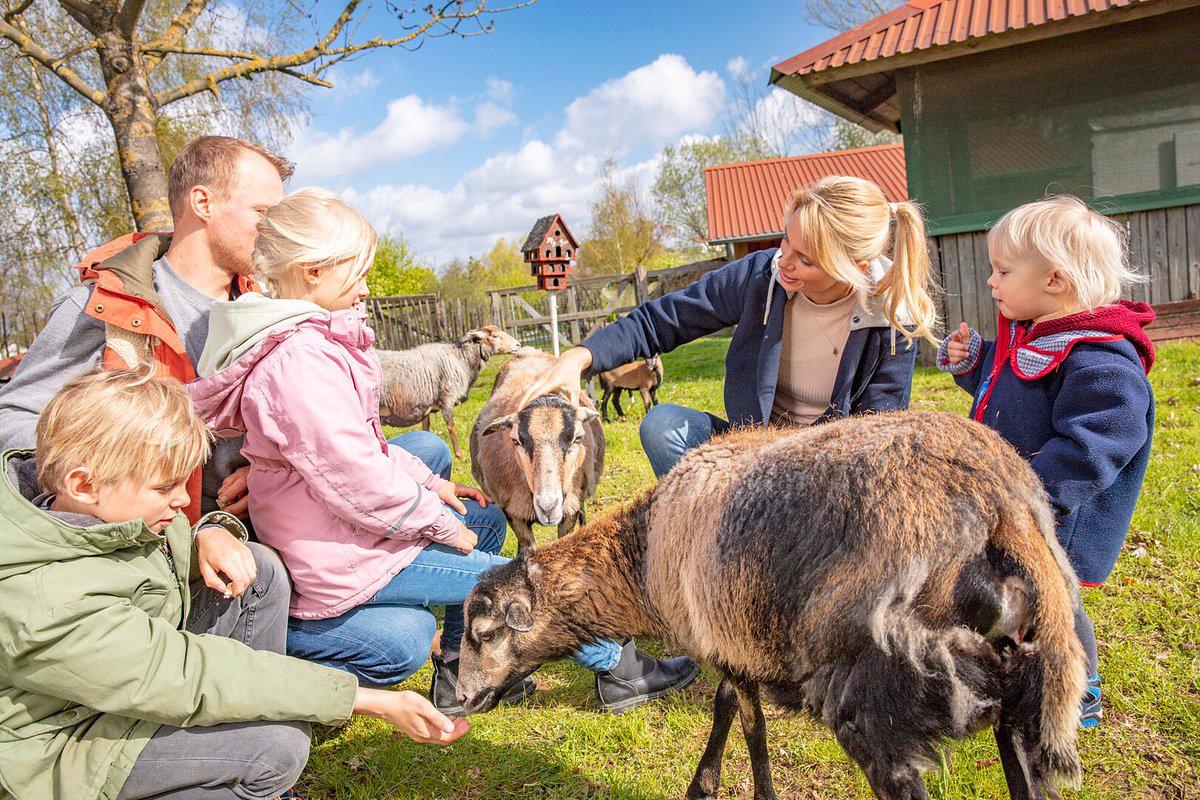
1164, 244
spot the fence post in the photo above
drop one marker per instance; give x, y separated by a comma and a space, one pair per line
496, 318
573, 308
641, 285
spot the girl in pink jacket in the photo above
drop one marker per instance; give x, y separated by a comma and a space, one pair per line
370, 535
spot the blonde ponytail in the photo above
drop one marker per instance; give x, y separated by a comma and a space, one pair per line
846, 222
910, 280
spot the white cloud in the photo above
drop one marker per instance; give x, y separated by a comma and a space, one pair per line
495, 110
410, 127
502, 196
739, 68
648, 106
356, 83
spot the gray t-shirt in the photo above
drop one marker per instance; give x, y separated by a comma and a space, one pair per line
72, 343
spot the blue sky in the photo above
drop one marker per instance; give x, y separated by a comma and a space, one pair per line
464, 141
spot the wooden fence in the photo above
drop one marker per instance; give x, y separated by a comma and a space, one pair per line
584, 306
404, 322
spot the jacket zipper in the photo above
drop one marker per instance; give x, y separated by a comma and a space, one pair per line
166, 550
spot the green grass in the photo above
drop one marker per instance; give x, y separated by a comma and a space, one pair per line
1147, 618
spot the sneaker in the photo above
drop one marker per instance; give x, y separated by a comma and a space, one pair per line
290, 794
638, 678
444, 687
1091, 715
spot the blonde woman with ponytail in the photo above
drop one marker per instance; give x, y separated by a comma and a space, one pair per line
825, 326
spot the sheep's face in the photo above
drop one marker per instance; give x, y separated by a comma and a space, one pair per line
505, 638
496, 339
550, 438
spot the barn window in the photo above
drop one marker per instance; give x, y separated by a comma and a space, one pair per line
547, 254
558, 251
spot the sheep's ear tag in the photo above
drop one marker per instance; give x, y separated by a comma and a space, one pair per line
516, 616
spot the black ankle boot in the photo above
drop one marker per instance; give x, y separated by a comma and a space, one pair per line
444, 686
638, 678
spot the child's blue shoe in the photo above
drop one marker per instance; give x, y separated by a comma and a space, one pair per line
1091, 715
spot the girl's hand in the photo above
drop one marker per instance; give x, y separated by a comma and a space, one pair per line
564, 374
956, 348
450, 492
412, 714
232, 496
464, 540
219, 551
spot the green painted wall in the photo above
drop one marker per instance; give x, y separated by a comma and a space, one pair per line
1112, 115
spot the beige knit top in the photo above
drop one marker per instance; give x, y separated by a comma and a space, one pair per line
814, 337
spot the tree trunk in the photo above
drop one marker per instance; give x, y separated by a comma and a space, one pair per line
131, 112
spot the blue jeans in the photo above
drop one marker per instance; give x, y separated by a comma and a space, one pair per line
388, 638
669, 430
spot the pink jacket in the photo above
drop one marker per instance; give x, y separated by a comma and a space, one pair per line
345, 510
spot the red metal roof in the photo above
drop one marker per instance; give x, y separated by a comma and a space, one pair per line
746, 200
921, 24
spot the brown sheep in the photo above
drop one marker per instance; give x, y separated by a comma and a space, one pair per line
897, 575
551, 460
643, 376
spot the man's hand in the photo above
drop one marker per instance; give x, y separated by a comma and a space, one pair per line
450, 492
232, 495
218, 552
957, 348
412, 714
565, 374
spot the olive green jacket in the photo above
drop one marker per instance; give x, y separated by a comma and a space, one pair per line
93, 655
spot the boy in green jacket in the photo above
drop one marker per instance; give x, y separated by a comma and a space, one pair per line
116, 681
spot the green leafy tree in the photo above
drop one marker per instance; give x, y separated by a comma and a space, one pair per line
398, 270
678, 188
846, 135
624, 233
501, 267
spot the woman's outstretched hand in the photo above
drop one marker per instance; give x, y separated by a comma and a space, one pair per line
412, 714
564, 374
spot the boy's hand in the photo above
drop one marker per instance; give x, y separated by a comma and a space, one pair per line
450, 492
956, 348
412, 714
219, 552
232, 496
464, 541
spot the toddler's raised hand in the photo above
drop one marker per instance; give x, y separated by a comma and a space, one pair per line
957, 348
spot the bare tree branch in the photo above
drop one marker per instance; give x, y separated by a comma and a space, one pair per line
174, 33
196, 51
442, 21
30, 49
85, 13
127, 17
74, 51
16, 12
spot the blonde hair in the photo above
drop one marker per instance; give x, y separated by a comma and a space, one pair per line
311, 228
847, 222
212, 161
1061, 233
120, 426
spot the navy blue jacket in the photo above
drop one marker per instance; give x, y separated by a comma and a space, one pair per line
1083, 415
869, 378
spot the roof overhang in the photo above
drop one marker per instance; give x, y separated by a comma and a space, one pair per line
864, 92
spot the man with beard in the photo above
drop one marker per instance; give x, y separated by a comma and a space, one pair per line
145, 298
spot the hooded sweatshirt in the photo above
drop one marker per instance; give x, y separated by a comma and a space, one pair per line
875, 368
1071, 395
345, 509
93, 657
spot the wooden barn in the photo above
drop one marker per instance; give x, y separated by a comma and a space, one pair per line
1002, 101
746, 201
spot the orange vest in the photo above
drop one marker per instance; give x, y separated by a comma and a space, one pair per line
113, 305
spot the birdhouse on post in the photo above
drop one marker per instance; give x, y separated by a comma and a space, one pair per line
550, 251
